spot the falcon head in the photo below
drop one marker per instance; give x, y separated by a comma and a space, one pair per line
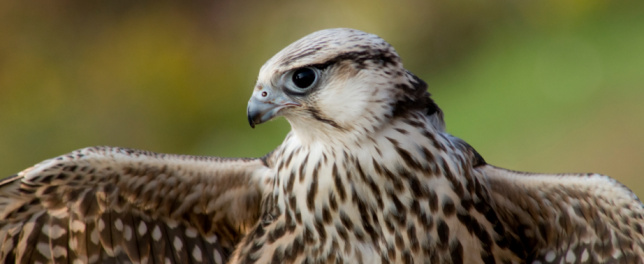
337, 81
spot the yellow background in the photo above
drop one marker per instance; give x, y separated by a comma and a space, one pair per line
545, 86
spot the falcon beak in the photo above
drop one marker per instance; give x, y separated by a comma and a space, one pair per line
265, 104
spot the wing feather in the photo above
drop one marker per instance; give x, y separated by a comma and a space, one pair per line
570, 217
105, 204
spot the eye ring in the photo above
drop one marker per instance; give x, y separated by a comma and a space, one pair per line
304, 78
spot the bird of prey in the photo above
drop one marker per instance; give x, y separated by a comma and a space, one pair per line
366, 175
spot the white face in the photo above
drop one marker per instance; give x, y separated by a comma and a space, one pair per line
332, 81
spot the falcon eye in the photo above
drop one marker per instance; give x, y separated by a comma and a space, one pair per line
299, 82
304, 78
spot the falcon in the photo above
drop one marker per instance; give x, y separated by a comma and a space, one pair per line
366, 175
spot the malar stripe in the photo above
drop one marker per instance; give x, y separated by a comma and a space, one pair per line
316, 114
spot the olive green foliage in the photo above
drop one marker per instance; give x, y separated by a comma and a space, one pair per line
547, 86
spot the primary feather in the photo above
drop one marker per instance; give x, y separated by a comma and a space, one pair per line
367, 174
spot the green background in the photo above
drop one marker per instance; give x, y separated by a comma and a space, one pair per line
544, 86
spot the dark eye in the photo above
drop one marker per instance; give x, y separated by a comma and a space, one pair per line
303, 78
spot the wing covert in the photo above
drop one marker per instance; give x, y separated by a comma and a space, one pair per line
104, 204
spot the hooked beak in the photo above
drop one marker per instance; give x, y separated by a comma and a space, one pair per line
265, 104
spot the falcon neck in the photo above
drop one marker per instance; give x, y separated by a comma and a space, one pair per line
377, 173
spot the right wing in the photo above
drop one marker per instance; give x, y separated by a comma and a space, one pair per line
104, 205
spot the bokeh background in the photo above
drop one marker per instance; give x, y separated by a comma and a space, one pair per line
545, 86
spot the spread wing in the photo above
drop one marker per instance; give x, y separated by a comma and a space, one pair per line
572, 218
114, 205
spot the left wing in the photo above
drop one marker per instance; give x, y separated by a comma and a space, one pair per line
569, 218
104, 205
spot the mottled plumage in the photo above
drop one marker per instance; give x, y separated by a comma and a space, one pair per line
367, 175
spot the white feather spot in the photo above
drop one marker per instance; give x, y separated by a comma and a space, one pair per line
101, 224
61, 213
78, 226
211, 239
43, 249
192, 233
172, 224
550, 256
60, 251
196, 254
156, 233
218, 258
584, 255
53, 231
93, 259
167, 261
78, 261
94, 236
570, 256
127, 233
73, 243
143, 228
177, 244
118, 224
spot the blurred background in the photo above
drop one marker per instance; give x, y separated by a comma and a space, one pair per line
544, 86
